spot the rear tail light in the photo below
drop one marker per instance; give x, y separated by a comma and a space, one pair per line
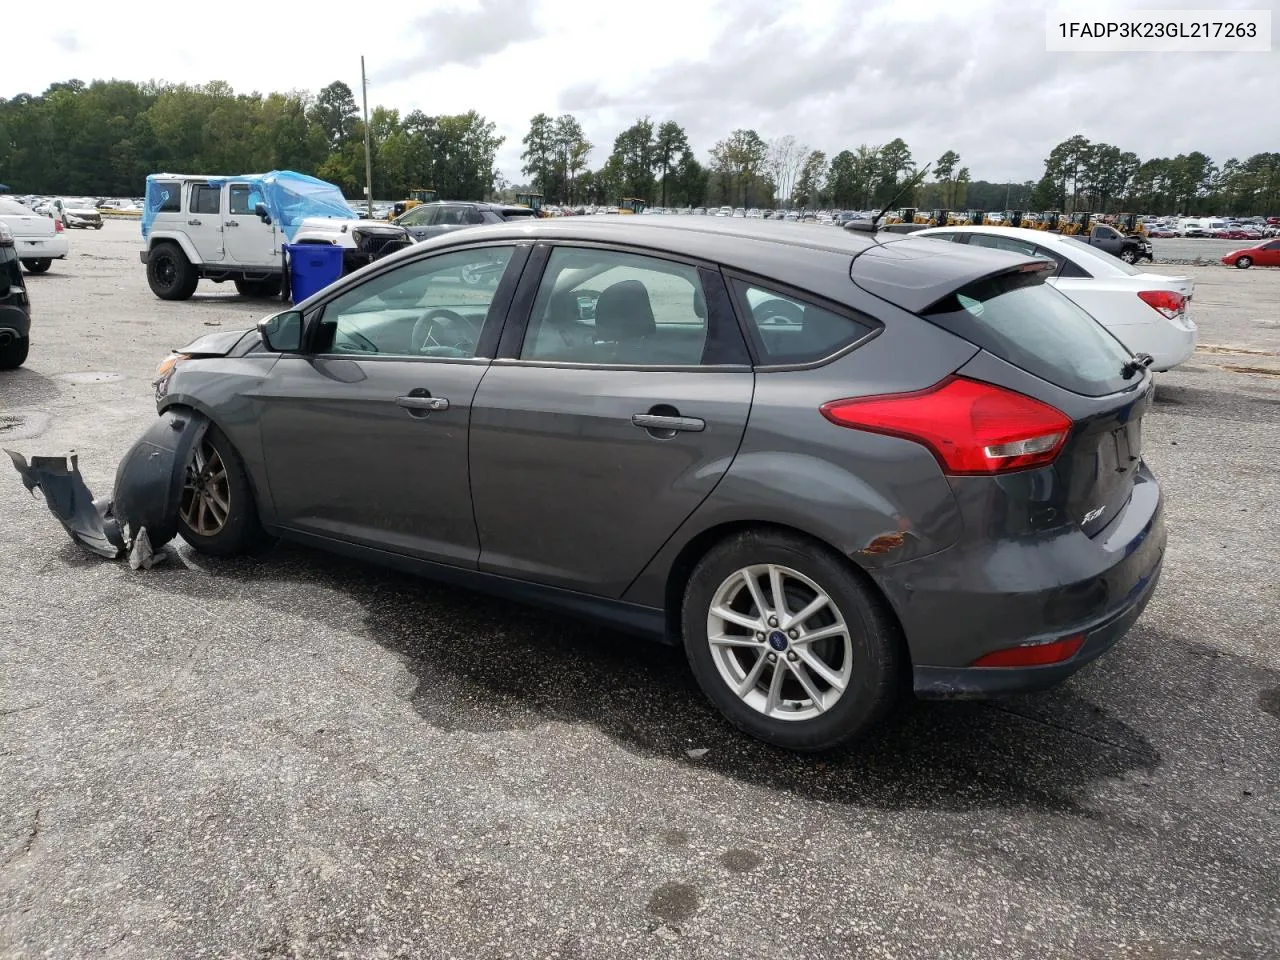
971, 427
1168, 303
57, 225
1033, 655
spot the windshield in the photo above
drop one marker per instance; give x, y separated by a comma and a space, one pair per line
1021, 319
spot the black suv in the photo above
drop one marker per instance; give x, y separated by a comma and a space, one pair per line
15, 308
432, 219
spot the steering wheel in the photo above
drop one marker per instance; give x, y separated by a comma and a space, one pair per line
358, 341
776, 311
445, 331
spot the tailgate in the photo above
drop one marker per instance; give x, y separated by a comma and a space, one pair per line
1100, 460
33, 227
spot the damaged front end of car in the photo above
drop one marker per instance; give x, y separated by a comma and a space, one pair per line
141, 515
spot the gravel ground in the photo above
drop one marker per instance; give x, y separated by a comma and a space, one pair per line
297, 756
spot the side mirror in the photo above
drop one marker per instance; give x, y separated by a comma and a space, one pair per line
860, 226
282, 333
261, 212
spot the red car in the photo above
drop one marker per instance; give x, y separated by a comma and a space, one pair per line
1264, 254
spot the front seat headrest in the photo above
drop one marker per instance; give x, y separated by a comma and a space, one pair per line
623, 312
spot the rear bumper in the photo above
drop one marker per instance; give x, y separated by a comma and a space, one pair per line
975, 598
42, 248
976, 683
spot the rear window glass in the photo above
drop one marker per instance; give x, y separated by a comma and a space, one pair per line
1022, 320
1098, 261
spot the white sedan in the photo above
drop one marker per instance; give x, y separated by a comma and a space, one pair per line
40, 240
1147, 312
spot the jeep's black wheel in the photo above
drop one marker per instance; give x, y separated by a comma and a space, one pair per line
170, 274
38, 266
217, 514
258, 288
14, 353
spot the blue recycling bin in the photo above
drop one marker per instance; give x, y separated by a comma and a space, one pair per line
312, 267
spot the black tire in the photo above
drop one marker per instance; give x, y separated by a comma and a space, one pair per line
241, 532
1129, 256
97, 226
258, 288
878, 662
1244, 263
169, 273
41, 265
14, 354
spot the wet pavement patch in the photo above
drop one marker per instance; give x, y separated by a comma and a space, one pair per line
674, 902
23, 424
740, 861
91, 376
1269, 701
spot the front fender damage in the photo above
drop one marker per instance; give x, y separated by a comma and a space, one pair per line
141, 515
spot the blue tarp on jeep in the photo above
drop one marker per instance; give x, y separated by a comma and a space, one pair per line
289, 197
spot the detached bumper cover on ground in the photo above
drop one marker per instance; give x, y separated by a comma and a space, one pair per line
143, 509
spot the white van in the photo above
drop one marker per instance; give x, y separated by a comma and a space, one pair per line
1200, 226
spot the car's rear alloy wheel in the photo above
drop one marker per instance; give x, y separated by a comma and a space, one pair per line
779, 642
788, 642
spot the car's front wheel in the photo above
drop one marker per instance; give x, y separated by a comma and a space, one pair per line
1129, 256
170, 274
1244, 263
788, 643
217, 514
39, 265
14, 353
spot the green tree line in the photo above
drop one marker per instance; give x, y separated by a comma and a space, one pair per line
104, 137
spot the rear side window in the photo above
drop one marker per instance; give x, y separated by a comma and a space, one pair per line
1021, 319
204, 199
166, 197
789, 331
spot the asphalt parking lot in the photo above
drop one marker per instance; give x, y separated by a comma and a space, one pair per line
299, 756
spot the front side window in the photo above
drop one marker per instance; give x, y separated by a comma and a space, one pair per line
435, 307
205, 199
244, 199
788, 330
607, 307
417, 217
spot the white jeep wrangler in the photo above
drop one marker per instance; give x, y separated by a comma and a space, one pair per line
237, 228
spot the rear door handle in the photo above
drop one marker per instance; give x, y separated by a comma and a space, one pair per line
423, 403
193, 223
654, 421
233, 223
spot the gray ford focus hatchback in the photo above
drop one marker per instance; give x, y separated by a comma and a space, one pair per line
835, 467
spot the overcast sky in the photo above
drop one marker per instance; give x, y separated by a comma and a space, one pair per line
968, 75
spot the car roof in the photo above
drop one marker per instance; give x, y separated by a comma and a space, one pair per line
901, 269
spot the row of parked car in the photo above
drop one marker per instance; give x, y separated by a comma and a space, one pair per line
1218, 228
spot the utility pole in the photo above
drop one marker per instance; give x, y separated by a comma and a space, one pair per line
368, 153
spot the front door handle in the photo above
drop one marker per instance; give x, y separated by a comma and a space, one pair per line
233, 223
193, 223
655, 421
423, 403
